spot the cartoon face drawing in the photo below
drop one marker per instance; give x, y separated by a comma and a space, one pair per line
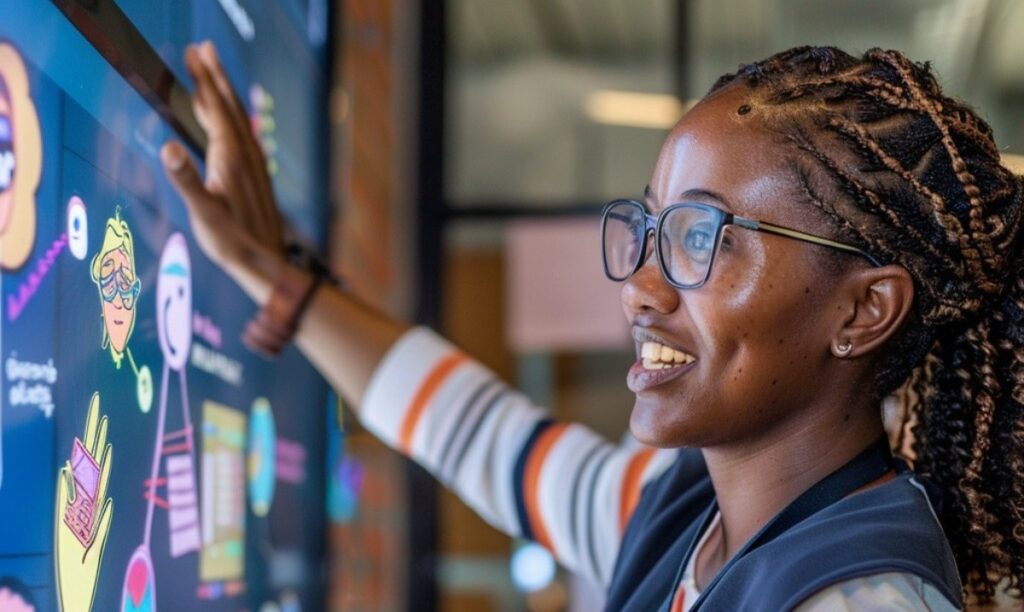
7, 158
174, 302
113, 271
21, 160
78, 228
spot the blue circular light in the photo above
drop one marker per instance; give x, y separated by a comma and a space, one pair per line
532, 567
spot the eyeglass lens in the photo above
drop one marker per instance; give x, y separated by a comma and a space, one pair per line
623, 239
688, 239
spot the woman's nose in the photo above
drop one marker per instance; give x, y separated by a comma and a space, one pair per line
647, 290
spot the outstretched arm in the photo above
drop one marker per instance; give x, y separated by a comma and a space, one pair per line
237, 224
558, 484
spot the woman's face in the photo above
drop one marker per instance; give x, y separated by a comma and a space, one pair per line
759, 329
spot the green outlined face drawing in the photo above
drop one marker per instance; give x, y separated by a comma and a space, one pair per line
113, 270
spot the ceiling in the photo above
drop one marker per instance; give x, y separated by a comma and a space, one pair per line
496, 29
521, 73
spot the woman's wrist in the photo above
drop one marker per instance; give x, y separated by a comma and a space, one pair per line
256, 270
275, 324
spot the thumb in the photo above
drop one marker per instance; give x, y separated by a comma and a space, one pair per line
65, 487
182, 173
207, 212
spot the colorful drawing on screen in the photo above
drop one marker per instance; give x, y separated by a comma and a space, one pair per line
139, 592
262, 460
114, 272
77, 228
174, 302
174, 330
345, 489
263, 124
83, 513
288, 602
19, 299
21, 161
291, 462
15, 596
222, 560
75, 239
345, 474
176, 449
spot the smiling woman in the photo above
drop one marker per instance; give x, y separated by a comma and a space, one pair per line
885, 250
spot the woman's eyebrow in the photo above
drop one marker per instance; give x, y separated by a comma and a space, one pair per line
691, 195
705, 194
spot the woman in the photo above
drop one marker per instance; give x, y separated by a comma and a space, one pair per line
817, 230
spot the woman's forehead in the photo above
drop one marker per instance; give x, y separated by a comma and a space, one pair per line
724, 158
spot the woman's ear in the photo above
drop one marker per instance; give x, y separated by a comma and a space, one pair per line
878, 300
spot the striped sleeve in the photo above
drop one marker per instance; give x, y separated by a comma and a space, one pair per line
559, 484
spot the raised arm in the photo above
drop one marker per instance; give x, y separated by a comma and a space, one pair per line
237, 224
559, 484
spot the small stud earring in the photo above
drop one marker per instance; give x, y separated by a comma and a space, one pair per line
843, 349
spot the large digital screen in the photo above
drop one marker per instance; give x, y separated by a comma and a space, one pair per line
147, 459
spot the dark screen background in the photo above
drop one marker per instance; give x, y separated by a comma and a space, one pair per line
99, 144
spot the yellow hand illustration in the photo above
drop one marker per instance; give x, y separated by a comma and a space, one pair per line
83, 515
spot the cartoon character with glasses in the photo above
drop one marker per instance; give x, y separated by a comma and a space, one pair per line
113, 270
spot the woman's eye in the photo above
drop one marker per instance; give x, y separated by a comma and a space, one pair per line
698, 239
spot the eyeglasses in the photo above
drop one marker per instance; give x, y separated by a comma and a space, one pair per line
116, 283
687, 237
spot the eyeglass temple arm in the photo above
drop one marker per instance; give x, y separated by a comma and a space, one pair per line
798, 235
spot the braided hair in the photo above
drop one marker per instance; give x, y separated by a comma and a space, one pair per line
915, 178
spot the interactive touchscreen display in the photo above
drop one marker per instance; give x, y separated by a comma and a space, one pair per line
147, 459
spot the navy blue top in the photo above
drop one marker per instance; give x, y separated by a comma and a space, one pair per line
824, 537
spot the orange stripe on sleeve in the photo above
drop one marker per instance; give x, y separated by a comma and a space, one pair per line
531, 482
677, 601
631, 486
423, 396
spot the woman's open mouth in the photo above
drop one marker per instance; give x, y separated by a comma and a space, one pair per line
657, 364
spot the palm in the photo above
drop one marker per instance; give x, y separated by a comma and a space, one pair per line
78, 546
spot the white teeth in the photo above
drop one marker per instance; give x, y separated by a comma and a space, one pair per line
654, 365
656, 356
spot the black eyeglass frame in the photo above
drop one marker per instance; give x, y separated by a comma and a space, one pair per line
654, 223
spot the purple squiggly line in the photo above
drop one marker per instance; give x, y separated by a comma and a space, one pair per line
17, 301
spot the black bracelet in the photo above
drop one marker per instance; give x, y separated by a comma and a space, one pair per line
306, 259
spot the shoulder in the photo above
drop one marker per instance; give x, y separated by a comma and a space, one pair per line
891, 522
887, 591
888, 529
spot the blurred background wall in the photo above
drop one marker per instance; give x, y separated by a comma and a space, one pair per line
474, 144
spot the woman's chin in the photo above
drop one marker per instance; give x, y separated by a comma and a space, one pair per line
653, 424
